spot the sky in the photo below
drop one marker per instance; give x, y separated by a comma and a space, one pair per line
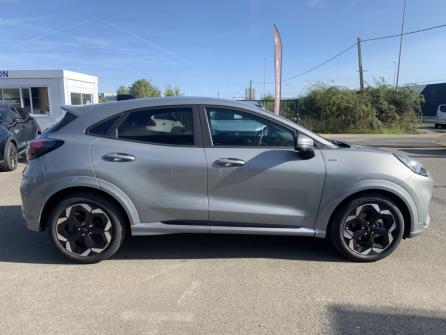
213, 47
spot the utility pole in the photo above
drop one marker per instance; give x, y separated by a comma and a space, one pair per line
250, 90
361, 72
264, 76
401, 46
218, 94
394, 73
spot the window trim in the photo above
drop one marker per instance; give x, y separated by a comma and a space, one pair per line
207, 134
198, 138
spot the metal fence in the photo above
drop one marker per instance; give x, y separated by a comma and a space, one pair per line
289, 108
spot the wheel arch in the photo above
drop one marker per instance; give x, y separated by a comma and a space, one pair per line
66, 192
401, 204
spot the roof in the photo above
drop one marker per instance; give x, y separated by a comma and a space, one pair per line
161, 101
48, 74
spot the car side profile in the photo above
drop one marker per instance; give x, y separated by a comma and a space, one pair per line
101, 173
17, 127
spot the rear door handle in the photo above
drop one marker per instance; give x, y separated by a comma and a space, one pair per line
118, 157
229, 162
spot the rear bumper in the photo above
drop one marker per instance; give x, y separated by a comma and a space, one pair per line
31, 191
440, 121
30, 222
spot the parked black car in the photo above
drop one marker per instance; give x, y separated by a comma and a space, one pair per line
17, 127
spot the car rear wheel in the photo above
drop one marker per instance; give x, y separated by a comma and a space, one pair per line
367, 228
86, 228
10, 157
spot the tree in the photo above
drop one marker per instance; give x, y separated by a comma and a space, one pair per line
122, 90
171, 92
143, 88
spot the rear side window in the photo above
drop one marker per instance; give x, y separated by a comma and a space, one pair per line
173, 126
103, 127
66, 119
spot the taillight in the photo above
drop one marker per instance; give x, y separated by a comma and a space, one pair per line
41, 146
151, 123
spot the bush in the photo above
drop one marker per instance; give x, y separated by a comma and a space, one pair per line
333, 109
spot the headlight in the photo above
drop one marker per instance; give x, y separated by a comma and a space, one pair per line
411, 163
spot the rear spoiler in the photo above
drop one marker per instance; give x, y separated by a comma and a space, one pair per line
77, 109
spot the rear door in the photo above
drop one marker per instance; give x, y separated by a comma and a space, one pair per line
162, 169
255, 178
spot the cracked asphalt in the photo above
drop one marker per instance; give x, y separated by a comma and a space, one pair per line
191, 284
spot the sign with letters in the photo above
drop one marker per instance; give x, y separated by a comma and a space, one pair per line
4, 74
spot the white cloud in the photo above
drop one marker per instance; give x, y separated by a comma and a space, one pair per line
316, 3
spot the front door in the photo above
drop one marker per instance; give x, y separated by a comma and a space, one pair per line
255, 178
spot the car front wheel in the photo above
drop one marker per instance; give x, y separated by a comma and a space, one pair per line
86, 228
367, 228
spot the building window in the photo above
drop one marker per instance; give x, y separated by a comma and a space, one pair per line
39, 97
81, 98
34, 100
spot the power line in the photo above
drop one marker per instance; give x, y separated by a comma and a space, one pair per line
407, 33
351, 47
313, 68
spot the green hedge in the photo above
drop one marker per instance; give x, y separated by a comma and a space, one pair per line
333, 109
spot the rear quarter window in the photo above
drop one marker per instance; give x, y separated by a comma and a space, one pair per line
66, 119
103, 127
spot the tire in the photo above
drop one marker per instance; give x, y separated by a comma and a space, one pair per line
367, 228
95, 229
436, 126
10, 159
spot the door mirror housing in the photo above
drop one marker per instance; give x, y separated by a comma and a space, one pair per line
15, 121
304, 145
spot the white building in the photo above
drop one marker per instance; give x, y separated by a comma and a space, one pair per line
43, 92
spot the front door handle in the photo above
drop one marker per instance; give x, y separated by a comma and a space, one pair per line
118, 157
229, 162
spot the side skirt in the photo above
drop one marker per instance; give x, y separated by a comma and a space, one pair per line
202, 227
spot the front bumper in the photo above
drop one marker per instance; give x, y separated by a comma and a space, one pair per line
420, 189
421, 227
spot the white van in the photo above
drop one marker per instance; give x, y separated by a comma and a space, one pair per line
440, 121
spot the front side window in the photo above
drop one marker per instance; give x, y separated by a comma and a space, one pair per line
172, 126
235, 128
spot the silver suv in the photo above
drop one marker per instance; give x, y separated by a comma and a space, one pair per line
109, 170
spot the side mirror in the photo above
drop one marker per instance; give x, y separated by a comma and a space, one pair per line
15, 121
304, 146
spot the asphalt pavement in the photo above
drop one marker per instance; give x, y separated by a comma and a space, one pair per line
192, 284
